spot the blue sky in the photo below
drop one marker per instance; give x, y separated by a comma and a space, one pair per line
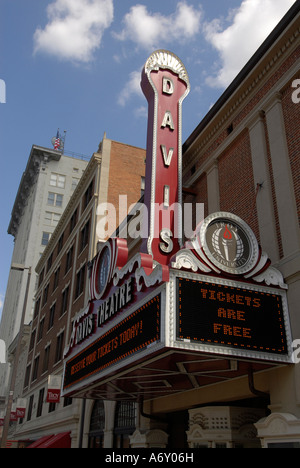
76, 64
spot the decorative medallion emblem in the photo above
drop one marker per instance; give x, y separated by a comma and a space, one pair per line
229, 243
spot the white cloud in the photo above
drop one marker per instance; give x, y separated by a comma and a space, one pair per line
148, 30
75, 28
141, 112
132, 87
252, 23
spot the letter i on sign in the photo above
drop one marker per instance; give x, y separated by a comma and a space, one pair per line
165, 84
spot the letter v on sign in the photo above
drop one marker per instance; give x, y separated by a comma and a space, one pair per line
167, 157
165, 84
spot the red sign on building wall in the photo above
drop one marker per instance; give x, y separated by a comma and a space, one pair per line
165, 84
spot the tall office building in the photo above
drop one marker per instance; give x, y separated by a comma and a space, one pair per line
46, 186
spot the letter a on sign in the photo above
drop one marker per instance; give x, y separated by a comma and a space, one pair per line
165, 84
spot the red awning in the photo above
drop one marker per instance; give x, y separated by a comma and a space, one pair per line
62, 440
40, 441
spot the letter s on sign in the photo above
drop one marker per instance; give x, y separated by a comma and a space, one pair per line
296, 353
167, 245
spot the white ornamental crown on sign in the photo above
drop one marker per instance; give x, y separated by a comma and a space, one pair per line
166, 59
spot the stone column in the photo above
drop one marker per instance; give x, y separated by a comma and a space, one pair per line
213, 193
283, 181
264, 201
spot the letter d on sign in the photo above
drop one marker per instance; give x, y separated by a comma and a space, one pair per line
2, 352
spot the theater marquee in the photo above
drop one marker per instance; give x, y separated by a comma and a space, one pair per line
131, 335
176, 317
219, 316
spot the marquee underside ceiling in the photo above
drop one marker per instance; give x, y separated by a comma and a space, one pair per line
168, 373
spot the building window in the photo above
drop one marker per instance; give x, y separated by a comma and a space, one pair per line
52, 407
40, 403
49, 262
51, 219
45, 238
84, 239
35, 368
41, 276
55, 199
59, 347
37, 307
32, 340
68, 401
69, 259
27, 376
74, 183
46, 358
65, 301
73, 220
57, 180
60, 243
125, 422
41, 329
96, 434
30, 407
51, 317
45, 295
80, 277
56, 279
88, 195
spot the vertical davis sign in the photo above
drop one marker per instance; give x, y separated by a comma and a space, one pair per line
165, 84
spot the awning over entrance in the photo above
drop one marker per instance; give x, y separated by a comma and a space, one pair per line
62, 440
190, 332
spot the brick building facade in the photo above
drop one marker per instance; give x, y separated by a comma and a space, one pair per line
62, 290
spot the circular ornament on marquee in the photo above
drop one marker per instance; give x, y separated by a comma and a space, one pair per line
114, 254
103, 268
229, 243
